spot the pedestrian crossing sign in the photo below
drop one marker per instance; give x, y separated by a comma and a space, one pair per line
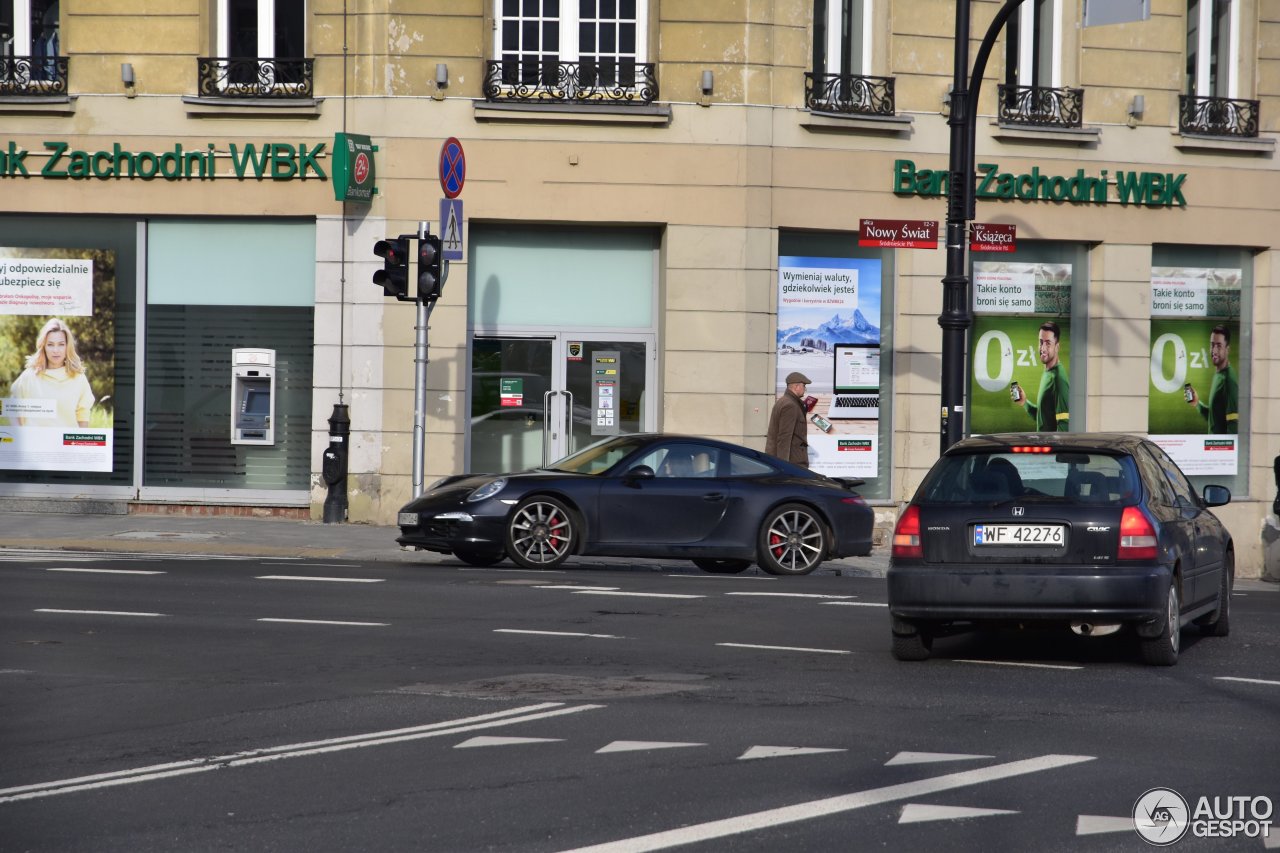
451, 228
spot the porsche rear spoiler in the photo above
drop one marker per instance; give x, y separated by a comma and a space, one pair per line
849, 483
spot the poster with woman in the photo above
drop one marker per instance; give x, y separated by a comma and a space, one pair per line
1021, 350
57, 359
1193, 406
829, 330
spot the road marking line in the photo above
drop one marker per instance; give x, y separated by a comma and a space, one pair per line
857, 603
295, 750
920, 813
715, 577
928, 757
107, 571
792, 594
556, 633
490, 571
830, 806
1091, 824
504, 741
571, 587
316, 578
780, 751
94, 612
785, 648
15, 672
1018, 663
326, 622
1246, 680
637, 594
641, 745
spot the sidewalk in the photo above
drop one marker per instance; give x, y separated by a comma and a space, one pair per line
271, 537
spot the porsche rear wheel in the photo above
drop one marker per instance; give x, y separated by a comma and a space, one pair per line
541, 533
792, 541
721, 567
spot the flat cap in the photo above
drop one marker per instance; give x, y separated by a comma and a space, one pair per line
796, 376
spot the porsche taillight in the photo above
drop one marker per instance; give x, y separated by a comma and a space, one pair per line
906, 535
1137, 536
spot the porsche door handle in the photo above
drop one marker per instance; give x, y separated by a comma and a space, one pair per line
713, 496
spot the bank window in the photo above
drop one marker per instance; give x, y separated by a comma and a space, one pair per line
571, 44
1201, 346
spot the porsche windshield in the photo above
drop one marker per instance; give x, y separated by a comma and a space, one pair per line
599, 457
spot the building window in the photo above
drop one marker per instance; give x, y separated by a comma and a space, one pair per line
1211, 48
578, 50
842, 37
30, 59
1033, 55
263, 29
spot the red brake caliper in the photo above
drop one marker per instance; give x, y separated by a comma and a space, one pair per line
775, 543
552, 536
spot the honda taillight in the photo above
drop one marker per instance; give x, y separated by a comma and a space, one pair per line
1137, 536
906, 535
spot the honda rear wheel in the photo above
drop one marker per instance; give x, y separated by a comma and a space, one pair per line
1163, 649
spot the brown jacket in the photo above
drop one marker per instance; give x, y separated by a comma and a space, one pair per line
788, 430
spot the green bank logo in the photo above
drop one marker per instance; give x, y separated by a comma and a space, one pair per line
1152, 189
275, 161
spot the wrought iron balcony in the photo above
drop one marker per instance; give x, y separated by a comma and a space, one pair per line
849, 93
1217, 116
33, 76
253, 77
1041, 106
537, 81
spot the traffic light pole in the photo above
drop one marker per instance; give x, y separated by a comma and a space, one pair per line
957, 316
420, 382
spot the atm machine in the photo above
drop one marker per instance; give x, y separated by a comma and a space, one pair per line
253, 396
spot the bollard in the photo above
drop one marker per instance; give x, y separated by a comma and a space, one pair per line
333, 466
1271, 535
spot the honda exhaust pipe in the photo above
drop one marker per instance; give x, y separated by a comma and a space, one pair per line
1089, 629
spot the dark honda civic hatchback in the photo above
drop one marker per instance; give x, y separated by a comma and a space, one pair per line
1097, 532
717, 504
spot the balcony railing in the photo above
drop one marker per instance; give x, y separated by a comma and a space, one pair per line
252, 77
33, 76
849, 93
1041, 106
1217, 116
540, 81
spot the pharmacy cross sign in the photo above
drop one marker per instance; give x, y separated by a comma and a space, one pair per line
453, 167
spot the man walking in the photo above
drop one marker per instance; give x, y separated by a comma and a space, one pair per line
788, 431
1223, 411
1051, 411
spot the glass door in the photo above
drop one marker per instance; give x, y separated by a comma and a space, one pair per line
537, 399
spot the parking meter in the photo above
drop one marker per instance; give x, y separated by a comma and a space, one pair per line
333, 465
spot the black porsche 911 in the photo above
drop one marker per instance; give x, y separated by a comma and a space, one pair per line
1097, 532
649, 495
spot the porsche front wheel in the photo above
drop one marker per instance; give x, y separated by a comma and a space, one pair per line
541, 533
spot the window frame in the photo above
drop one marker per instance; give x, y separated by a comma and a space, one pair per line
23, 34
266, 30
829, 48
1207, 41
569, 46
1028, 37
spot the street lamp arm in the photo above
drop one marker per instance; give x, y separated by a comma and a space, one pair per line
971, 97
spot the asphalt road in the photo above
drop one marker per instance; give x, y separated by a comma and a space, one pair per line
160, 704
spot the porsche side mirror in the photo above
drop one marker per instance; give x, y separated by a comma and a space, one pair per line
640, 472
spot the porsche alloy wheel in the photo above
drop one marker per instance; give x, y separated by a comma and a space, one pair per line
793, 541
541, 533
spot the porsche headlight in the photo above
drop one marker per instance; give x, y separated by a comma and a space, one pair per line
488, 490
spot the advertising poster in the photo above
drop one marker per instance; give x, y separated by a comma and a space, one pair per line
829, 330
1193, 407
1021, 348
57, 359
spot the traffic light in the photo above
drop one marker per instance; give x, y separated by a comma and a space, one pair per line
394, 275
432, 268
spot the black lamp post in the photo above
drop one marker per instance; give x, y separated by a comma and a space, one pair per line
956, 316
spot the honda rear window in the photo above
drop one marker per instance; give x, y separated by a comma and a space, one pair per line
1075, 477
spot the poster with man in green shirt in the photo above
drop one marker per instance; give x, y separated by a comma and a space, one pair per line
1051, 410
1222, 413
